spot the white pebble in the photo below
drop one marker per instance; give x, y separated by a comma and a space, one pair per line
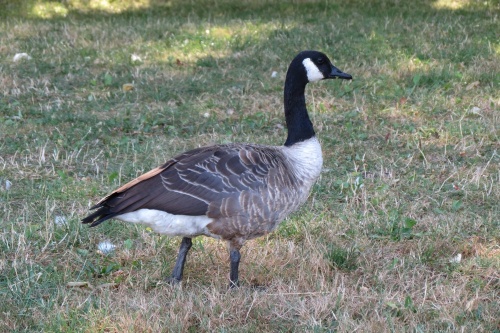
274, 74
206, 115
475, 110
135, 57
8, 184
456, 259
60, 221
20, 56
106, 247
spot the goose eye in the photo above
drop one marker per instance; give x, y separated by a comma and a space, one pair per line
320, 61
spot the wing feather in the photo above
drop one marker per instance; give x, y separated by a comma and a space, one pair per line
190, 183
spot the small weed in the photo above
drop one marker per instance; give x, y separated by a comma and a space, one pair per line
396, 227
402, 309
341, 258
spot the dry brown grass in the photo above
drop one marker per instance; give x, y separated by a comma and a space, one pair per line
410, 180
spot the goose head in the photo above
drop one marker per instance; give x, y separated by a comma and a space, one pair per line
318, 67
307, 66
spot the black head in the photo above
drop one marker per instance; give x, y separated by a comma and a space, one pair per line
319, 67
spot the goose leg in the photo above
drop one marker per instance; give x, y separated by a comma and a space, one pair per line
176, 276
234, 257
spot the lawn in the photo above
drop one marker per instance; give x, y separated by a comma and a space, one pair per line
401, 232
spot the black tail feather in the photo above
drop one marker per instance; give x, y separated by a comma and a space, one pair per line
99, 216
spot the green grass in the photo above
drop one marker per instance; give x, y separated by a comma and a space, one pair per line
410, 181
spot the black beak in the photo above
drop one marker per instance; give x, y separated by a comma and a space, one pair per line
338, 74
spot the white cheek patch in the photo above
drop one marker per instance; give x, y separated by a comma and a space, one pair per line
313, 72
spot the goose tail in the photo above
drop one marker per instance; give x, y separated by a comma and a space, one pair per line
100, 215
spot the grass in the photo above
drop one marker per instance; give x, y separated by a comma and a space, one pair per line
400, 234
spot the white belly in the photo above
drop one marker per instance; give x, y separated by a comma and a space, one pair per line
169, 224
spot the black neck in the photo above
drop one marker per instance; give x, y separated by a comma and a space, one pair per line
299, 125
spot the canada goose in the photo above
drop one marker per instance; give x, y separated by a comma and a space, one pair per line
233, 192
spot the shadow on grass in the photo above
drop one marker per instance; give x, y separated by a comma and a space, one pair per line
249, 9
359, 24
358, 35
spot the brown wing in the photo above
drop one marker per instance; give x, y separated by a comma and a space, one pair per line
189, 183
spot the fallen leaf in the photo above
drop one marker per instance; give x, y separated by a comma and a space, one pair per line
472, 85
128, 87
471, 305
78, 284
118, 273
108, 285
